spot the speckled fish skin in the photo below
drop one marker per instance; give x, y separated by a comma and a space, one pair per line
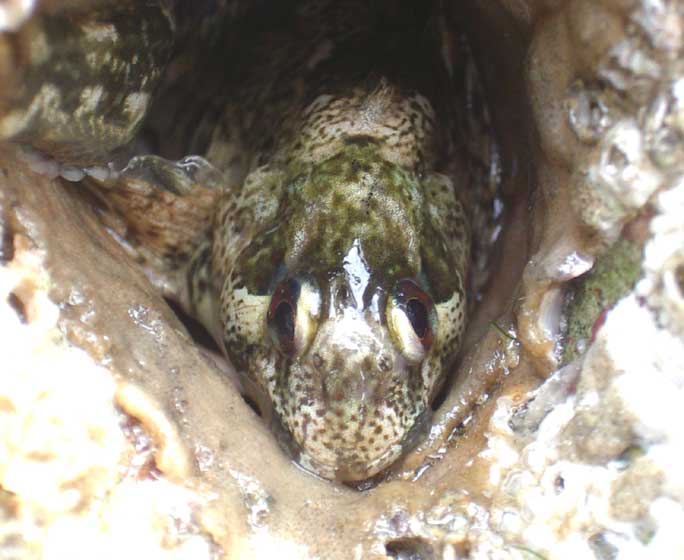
343, 192
78, 83
330, 124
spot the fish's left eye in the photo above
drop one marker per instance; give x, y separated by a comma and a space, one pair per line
411, 319
293, 315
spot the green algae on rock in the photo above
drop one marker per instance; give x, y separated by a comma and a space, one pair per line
613, 276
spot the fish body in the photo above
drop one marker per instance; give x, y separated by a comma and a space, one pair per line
339, 264
321, 230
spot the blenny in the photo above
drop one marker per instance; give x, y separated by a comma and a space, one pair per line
320, 231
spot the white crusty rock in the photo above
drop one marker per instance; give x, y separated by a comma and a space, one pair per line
603, 471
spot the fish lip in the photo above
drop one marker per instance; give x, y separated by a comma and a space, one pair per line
350, 471
346, 463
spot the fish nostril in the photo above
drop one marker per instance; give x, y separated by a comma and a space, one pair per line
317, 360
343, 294
384, 363
340, 296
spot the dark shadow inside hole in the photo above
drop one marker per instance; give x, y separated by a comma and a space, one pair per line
366, 484
445, 389
409, 549
441, 396
15, 303
6, 242
251, 403
679, 278
201, 337
197, 331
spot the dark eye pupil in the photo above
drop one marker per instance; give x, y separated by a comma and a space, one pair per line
418, 315
284, 321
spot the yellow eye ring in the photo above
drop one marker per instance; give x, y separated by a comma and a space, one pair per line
293, 314
411, 318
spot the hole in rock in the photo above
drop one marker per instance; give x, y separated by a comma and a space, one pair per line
15, 303
409, 549
489, 102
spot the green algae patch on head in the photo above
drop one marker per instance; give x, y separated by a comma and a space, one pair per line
354, 195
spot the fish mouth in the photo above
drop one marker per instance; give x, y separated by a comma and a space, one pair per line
356, 447
346, 466
347, 413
